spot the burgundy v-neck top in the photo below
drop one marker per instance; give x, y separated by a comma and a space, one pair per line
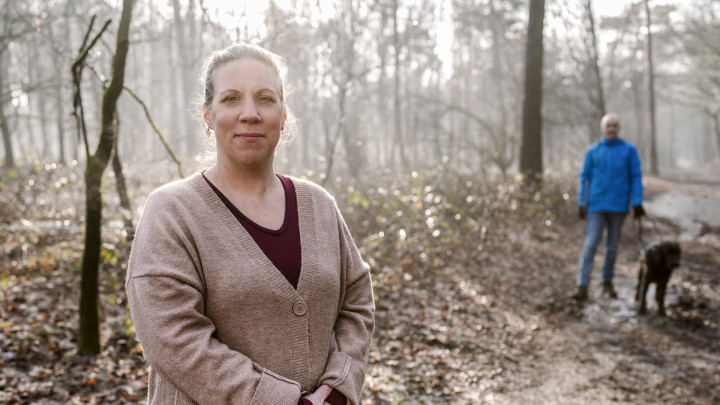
281, 246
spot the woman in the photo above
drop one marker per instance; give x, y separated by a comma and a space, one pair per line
244, 285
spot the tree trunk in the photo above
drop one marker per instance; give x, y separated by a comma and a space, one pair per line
640, 117
399, 143
188, 53
184, 45
335, 137
174, 71
382, 104
7, 141
531, 163
715, 120
651, 92
89, 328
121, 188
503, 153
37, 103
59, 99
4, 127
59, 106
599, 100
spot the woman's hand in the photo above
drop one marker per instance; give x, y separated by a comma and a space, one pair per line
321, 393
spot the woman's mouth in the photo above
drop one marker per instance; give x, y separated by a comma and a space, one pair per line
249, 136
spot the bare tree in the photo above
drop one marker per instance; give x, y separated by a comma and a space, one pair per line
4, 127
343, 72
486, 86
702, 44
97, 162
184, 47
531, 163
598, 96
399, 143
651, 90
15, 23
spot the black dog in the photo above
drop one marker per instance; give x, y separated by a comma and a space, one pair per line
660, 261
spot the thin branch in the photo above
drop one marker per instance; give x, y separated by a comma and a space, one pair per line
49, 83
157, 130
87, 33
456, 108
150, 120
76, 68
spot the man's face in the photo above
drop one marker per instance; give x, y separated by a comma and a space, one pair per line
611, 128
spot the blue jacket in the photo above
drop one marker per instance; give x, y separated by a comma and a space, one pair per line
611, 175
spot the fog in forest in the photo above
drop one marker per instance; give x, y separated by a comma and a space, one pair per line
376, 85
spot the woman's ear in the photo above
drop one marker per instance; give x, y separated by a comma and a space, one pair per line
206, 117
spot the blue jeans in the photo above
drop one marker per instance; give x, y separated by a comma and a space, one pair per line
596, 221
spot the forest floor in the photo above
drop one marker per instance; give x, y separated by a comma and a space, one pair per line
472, 293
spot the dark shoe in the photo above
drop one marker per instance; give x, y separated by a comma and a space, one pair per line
581, 294
608, 290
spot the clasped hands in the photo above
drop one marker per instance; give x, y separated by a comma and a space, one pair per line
321, 393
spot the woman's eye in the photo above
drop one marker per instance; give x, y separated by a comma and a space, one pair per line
231, 99
265, 99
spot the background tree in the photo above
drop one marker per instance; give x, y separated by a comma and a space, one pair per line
701, 42
344, 70
574, 52
651, 90
486, 87
89, 328
531, 163
597, 96
15, 24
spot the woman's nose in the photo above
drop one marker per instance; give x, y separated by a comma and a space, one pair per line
249, 112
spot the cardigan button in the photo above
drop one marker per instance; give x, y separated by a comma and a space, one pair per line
299, 308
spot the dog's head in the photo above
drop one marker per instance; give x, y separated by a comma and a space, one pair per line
666, 255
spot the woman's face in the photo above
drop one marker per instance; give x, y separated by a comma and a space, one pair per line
246, 113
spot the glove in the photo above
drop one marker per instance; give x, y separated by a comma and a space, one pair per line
638, 211
581, 212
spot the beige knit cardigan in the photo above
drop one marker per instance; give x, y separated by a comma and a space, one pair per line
219, 324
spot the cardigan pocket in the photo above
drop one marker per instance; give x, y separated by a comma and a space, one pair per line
275, 389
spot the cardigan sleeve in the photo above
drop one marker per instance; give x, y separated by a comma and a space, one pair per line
345, 369
166, 296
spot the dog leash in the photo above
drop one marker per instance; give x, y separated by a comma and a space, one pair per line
640, 238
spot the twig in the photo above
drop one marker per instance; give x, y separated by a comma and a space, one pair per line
157, 130
150, 120
76, 68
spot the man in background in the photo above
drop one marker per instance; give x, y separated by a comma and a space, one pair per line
610, 182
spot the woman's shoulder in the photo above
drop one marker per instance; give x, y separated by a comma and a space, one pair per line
176, 188
178, 200
176, 193
309, 186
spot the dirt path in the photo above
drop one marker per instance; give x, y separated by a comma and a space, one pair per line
602, 352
